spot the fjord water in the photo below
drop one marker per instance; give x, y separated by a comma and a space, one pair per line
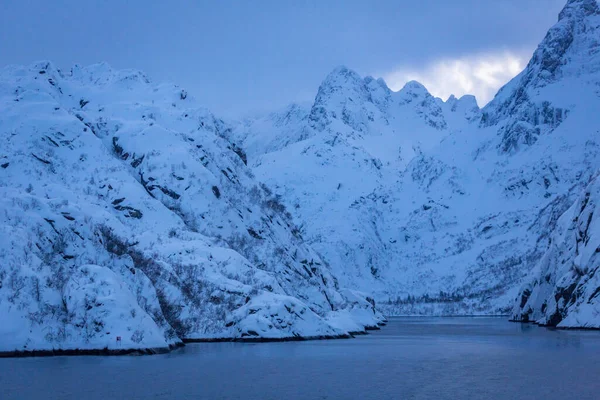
410, 358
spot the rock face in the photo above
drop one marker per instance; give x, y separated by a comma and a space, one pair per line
569, 54
441, 207
564, 290
125, 212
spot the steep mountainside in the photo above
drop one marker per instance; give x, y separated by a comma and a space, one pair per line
125, 212
440, 207
565, 288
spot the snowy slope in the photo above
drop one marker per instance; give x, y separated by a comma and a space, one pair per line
125, 212
272, 132
440, 207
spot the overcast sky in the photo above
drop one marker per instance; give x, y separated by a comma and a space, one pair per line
245, 56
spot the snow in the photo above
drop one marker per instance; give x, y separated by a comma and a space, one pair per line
274, 317
100, 301
129, 210
440, 207
127, 197
564, 289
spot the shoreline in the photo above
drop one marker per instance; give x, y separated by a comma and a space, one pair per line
450, 316
90, 352
165, 350
558, 328
268, 340
183, 342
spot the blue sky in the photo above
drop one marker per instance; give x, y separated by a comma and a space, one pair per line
245, 56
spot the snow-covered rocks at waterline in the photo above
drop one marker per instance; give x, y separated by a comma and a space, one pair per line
565, 287
126, 212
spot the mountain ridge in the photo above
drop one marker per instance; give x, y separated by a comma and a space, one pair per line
453, 225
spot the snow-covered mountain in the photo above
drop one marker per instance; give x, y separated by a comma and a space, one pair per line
125, 212
439, 207
129, 211
393, 126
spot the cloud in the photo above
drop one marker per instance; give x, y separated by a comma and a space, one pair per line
480, 75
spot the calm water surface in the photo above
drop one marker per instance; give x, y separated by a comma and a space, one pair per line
411, 358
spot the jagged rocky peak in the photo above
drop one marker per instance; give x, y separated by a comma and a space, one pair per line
571, 47
578, 8
466, 107
379, 90
343, 84
341, 76
345, 96
429, 108
575, 32
413, 91
452, 100
569, 55
466, 101
376, 83
365, 104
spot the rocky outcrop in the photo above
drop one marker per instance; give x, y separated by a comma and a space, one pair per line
564, 288
522, 109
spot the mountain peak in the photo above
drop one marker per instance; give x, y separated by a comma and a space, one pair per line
573, 25
568, 52
340, 82
341, 76
428, 107
413, 90
340, 70
414, 85
466, 106
341, 79
344, 90
579, 8
468, 100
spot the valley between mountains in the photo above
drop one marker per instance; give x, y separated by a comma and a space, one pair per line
128, 210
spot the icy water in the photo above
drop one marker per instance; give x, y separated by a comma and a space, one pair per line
411, 358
